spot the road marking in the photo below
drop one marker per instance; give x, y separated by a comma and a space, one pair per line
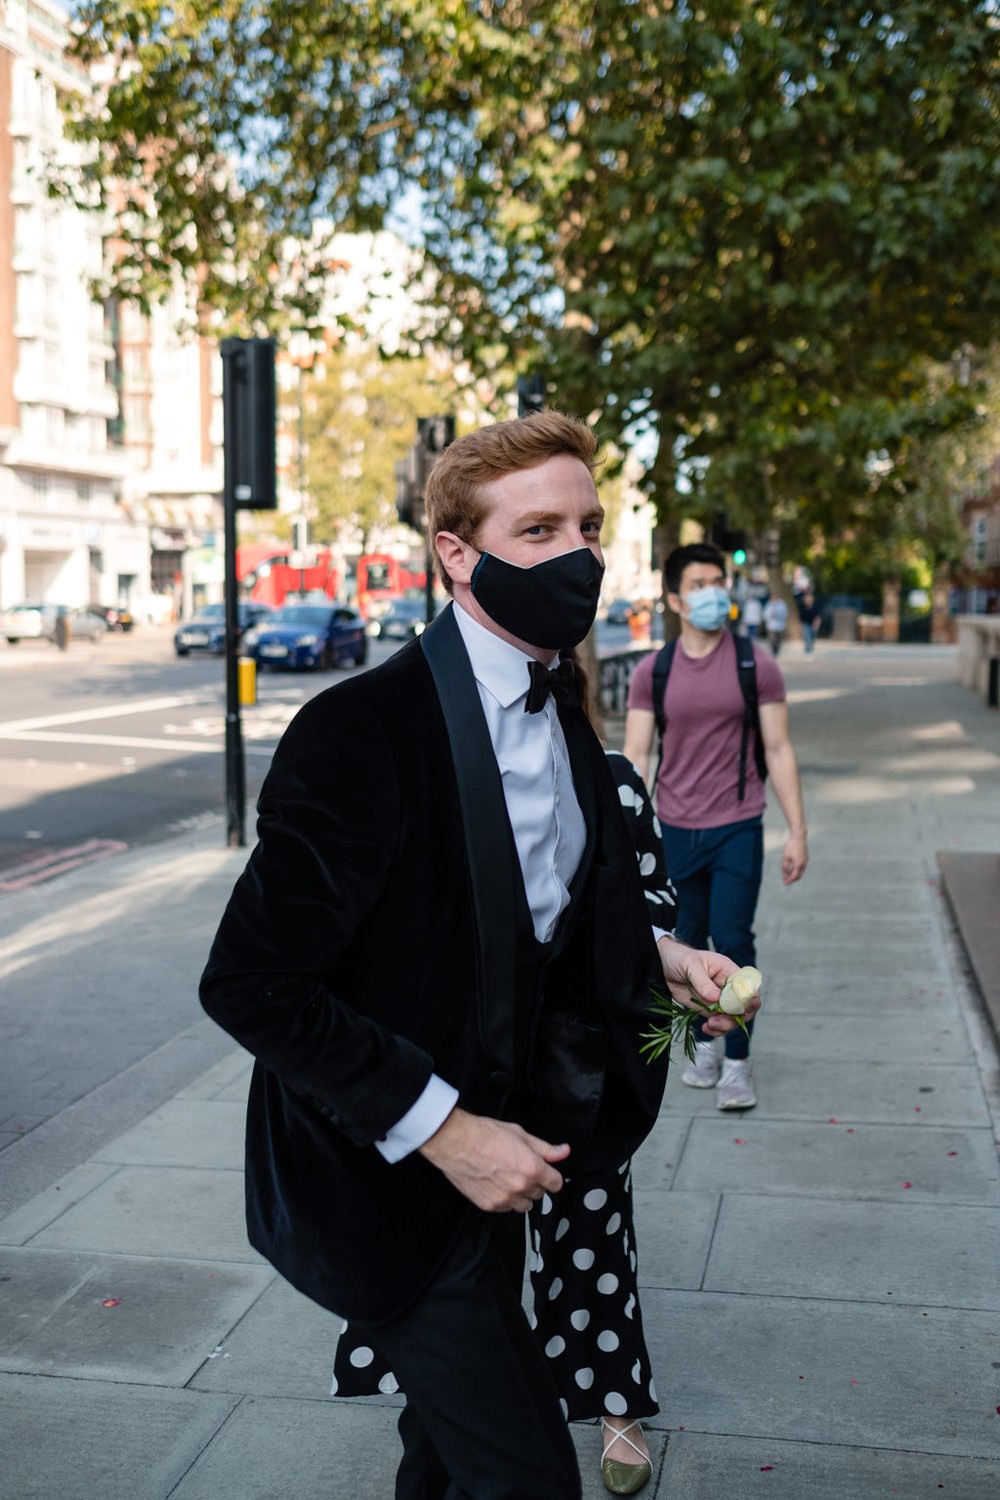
54, 862
128, 742
118, 710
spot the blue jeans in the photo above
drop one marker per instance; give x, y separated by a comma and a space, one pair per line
717, 872
808, 636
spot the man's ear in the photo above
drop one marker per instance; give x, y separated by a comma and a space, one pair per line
674, 601
458, 558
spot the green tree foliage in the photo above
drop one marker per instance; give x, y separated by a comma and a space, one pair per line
754, 230
360, 417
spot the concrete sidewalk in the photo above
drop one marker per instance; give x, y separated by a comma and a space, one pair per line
820, 1274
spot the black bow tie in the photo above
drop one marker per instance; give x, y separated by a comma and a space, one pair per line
561, 683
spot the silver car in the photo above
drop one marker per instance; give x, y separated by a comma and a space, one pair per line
35, 622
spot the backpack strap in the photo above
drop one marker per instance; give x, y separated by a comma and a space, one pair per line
746, 664
661, 672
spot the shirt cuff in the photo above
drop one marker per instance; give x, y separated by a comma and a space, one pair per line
420, 1121
659, 932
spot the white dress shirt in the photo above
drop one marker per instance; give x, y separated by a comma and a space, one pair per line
549, 829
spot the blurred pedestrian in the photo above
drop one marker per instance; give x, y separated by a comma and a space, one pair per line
725, 727
753, 615
63, 628
775, 621
810, 616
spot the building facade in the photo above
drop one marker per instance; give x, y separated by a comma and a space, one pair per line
67, 532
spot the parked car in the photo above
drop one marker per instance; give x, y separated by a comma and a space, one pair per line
37, 622
303, 636
115, 616
618, 612
404, 620
207, 631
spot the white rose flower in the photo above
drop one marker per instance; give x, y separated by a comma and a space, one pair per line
739, 989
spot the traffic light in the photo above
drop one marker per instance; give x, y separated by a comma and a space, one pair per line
737, 547
530, 394
734, 543
250, 422
434, 435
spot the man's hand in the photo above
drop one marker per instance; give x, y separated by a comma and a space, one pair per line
496, 1165
794, 859
694, 974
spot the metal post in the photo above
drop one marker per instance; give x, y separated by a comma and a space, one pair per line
233, 371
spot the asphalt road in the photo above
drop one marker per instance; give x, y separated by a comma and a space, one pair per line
113, 745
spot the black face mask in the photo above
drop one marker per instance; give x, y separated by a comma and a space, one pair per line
551, 605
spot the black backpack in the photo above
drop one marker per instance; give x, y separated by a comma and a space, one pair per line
747, 672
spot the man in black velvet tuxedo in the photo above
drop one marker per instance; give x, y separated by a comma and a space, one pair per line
440, 957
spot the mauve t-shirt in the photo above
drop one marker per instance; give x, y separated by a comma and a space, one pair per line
698, 784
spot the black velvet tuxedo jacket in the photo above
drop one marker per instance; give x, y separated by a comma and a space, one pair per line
370, 942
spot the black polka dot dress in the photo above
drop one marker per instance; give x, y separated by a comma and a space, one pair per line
582, 1257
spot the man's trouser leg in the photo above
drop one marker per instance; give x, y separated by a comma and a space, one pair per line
482, 1420
737, 867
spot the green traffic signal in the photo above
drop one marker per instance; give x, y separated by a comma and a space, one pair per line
739, 556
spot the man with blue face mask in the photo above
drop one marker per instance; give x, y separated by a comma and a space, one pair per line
709, 793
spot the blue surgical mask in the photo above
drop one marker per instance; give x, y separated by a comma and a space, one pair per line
708, 608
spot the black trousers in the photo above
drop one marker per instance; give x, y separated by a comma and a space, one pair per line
482, 1419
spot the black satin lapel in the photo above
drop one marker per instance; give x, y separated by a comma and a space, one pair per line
585, 757
487, 833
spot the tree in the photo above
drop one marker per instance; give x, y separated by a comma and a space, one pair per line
360, 418
748, 230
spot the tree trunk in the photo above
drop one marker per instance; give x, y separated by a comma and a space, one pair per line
890, 608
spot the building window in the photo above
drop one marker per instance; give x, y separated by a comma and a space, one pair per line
84, 491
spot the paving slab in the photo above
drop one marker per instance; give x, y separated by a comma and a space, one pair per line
94, 1440
745, 1154
839, 1037
655, 1163
881, 1252
283, 1346
180, 1212
859, 1374
228, 1080
698, 1467
674, 1233
205, 1133
32, 1217
892, 1093
333, 1449
143, 1322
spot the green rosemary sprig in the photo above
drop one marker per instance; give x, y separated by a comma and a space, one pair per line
679, 1026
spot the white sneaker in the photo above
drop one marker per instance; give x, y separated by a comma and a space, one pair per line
703, 1073
735, 1090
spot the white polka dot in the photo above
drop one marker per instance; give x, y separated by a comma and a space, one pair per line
630, 1305
532, 1320
545, 1206
607, 1340
536, 1240
583, 1259
584, 1379
652, 1391
632, 1260
362, 1357
623, 1169
614, 1224
596, 1198
555, 1289
647, 864
388, 1385
615, 1404
637, 1372
607, 1283
538, 1265
564, 1407
334, 1386
561, 1228
628, 798
580, 1319
555, 1346
656, 827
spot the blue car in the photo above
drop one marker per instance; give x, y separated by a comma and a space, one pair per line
207, 631
308, 636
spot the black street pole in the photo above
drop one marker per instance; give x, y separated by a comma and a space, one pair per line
233, 372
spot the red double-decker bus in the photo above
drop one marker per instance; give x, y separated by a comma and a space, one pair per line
381, 579
270, 572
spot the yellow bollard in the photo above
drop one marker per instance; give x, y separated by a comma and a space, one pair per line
246, 669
